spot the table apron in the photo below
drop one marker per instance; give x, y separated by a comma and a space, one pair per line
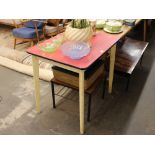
73, 69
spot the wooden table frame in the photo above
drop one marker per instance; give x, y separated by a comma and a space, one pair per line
35, 60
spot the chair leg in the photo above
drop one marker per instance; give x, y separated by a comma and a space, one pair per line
128, 81
14, 46
104, 87
44, 33
53, 94
89, 107
32, 43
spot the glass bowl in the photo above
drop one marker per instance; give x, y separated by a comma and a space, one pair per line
75, 50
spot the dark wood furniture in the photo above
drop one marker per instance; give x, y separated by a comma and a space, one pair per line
128, 56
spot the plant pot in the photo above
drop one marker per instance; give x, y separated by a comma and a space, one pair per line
75, 34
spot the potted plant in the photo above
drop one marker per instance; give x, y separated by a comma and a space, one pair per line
79, 30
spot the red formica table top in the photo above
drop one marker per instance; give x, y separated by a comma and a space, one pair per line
100, 44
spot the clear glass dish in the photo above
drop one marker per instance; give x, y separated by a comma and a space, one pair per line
75, 50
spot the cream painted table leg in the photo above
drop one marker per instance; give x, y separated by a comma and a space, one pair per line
111, 70
35, 61
81, 99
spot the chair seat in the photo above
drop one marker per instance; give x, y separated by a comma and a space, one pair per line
90, 90
26, 32
129, 54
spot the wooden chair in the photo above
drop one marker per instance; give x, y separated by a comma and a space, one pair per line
88, 74
55, 26
128, 56
32, 30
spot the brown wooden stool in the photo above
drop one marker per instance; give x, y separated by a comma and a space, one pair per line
89, 91
128, 56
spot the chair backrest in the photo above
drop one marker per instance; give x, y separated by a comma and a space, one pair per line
53, 22
39, 23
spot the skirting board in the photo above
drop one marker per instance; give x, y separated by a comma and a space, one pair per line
44, 74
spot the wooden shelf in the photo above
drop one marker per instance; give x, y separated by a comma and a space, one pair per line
89, 90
